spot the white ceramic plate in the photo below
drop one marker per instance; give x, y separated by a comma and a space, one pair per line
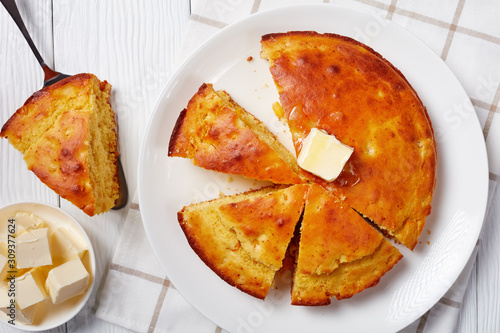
49, 315
415, 283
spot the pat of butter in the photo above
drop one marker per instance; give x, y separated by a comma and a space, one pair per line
4, 261
323, 155
67, 280
66, 245
27, 221
11, 309
4, 267
29, 289
33, 249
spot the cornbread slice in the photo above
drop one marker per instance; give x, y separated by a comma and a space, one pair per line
346, 89
67, 134
339, 253
217, 134
243, 238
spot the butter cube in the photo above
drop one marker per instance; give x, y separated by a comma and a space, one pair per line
11, 310
66, 245
26, 315
67, 280
33, 249
29, 289
323, 155
4, 267
5, 300
26, 221
4, 261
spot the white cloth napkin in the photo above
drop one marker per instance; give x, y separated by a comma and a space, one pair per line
136, 293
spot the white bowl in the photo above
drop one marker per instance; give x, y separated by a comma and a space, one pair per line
50, 315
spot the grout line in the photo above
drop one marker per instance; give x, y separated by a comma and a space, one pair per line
452, 29
159, 303
208, 21
423, 18
482, 104
476, 272
136, 273
391, 10
53, 35
375, 4
477, 34
450, 302
445, 25
422, 322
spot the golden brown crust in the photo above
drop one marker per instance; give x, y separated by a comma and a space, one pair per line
211, 133
341, 86
60, 160
39, 106
332, 233
177, 137
345, 281
234, 274
230, 243
264, 225
339, 253
65, 129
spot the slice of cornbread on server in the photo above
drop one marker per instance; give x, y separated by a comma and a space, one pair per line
67, 134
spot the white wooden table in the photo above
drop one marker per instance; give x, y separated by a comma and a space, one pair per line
131, 44
134, 45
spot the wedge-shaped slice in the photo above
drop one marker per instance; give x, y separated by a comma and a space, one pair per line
346, 89
217, 134
339, 253
67, 133
243, 238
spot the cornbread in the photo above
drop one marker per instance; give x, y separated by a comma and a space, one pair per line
217, 134
339, 253
243, 238
67, 134
348, 90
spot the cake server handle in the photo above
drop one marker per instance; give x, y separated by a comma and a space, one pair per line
51, 76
